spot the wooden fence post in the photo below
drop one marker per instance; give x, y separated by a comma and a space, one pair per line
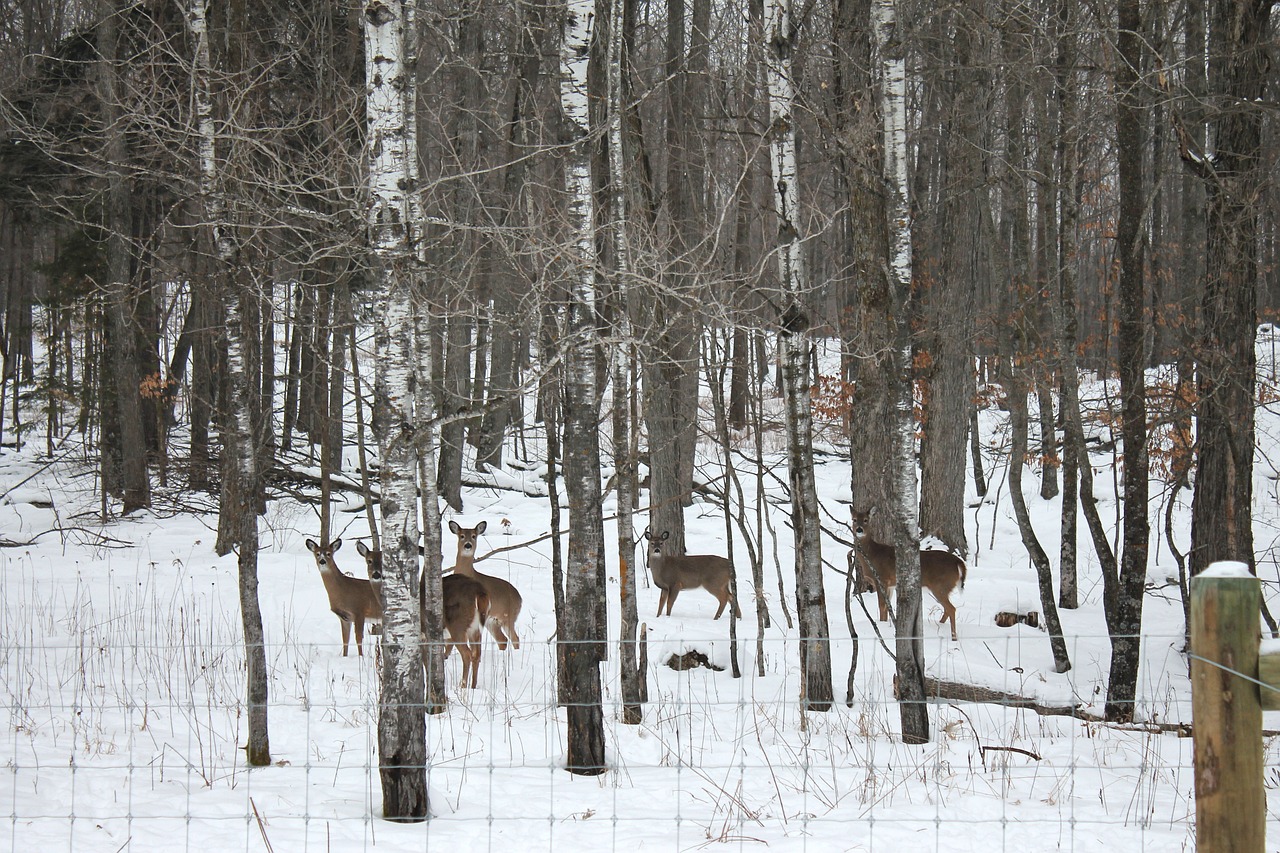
1227, 711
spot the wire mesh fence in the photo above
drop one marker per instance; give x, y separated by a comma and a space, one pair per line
117, 744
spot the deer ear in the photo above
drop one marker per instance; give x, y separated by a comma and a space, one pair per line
453, 526
362, 549
666, 534
646, 534
480, 528
312, 546
337, 543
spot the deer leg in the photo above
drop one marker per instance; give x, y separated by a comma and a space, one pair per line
948, 612
495, 628
515, 638
671, 598
346, 634
360, 637
662, 602
882, 595
723, 601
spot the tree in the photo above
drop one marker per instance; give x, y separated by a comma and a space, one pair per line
1222, 508
583, 630
239, 503
891, 61
1124, 599
394, 222
132, 479
816, 691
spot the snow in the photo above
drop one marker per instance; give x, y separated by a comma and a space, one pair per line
1227, 569
122, 675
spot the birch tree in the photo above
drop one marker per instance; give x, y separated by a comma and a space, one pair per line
240, 488
393, 222
630, 658
583, 631
891, 65
816, 690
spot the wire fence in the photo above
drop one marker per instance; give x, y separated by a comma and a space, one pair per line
119, 745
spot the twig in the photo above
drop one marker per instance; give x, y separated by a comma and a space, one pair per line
262, 826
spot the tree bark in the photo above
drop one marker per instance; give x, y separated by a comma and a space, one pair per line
135, 487
238, 505
583, 631
816, 691
394, 221
625, 463
1126, 621
1222, 508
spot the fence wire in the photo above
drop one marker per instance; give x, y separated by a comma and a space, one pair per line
117, 745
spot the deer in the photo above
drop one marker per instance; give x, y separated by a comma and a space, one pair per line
940, 571
504, 599
466, 606
353, 600
672, 574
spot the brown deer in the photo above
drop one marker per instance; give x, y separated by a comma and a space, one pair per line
352, 599
504, 599
940, 571
690, 571
465, 608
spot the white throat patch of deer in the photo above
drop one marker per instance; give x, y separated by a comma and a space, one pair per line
353, 600
940, 571
671, 574
504, 599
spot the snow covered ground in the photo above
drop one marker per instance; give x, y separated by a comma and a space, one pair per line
121, 671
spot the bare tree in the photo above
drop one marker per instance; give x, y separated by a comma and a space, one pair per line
394, 221
239, 502
583, 631
816, 691
891, 62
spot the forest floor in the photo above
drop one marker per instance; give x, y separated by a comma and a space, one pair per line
122, 674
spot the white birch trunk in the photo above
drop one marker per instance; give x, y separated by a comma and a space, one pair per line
584, 630
815, 649
392, 221
240, 496
893, 115
624, 453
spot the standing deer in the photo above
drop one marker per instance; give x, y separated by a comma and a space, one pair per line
940, 571
465, 608
504, 599
674, 573
352, 599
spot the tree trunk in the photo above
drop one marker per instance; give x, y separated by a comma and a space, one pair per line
625, 461
123, 356
394, 220
890, 54
1126, 621
1222, 508
583, 632
238, 510
1063, 309
816, 692
1016, 392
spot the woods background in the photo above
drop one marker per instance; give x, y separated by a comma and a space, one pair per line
211, 268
